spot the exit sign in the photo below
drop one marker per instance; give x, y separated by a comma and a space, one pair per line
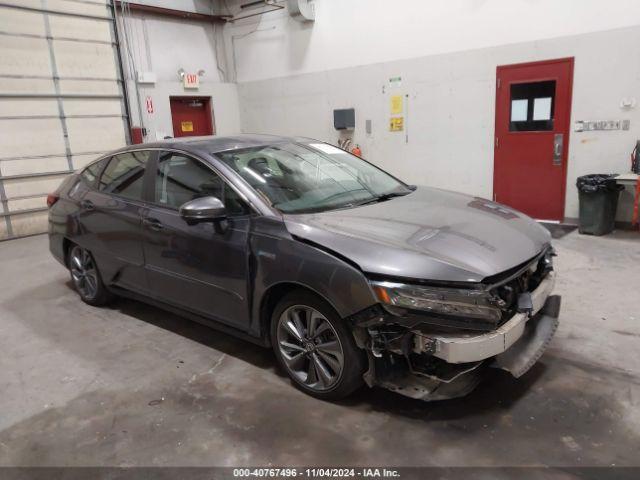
191, 80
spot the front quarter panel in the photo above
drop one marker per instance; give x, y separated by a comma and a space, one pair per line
280, 258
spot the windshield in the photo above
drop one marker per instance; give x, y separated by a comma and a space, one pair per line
313, 177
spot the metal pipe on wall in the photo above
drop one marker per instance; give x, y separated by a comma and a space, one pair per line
124, 8
123, 83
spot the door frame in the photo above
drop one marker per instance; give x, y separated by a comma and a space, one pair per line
565, 147
211, 123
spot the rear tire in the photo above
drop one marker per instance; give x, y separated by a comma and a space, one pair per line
315, 348
86, 277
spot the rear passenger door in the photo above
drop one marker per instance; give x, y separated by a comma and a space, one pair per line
202, 267
110, 218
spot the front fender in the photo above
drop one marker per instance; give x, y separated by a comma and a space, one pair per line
281, 259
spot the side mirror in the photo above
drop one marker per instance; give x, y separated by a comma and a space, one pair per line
203, 209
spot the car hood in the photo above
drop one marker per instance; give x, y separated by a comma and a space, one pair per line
428, 234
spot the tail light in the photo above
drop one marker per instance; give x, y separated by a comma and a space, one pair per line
52, 198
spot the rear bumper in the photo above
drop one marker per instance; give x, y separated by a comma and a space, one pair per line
469, 347
56, 247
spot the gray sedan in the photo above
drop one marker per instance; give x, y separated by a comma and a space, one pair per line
352, 276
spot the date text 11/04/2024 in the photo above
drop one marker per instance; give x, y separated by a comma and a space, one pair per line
315, 472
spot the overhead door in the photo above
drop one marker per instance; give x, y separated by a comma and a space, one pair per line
61, 101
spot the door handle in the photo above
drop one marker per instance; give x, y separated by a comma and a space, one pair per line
87, 205
558, 141
153, 224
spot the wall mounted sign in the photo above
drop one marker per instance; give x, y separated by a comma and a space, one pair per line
149, 102
396, 124
396, 104
589, 126
186, 126
191, 80
395, 82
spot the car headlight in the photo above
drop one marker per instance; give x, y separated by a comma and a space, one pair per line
471, 304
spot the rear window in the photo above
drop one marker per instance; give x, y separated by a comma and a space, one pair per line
90, 173
124, 175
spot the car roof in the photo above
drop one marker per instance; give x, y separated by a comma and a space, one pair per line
214, 144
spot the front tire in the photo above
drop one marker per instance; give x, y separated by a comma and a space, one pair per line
86, 277
315, 348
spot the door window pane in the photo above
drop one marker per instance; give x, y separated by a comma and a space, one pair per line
180, 179
532, 106
519, 110
542, 108
124, 175
92, 171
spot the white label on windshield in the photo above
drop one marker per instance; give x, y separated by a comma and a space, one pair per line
326, 148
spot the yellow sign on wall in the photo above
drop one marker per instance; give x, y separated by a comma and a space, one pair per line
396, 104
396, 124
186, 126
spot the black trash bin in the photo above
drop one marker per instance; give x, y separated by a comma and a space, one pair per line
598, 202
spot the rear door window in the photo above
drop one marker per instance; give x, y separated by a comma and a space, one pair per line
124, 175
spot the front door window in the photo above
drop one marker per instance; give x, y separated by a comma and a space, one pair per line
181, 178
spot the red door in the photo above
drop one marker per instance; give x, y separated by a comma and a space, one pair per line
191, 116
533, 109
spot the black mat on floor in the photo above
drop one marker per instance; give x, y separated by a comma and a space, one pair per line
558, 230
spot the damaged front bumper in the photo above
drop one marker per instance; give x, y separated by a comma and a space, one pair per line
463, 348
433, 364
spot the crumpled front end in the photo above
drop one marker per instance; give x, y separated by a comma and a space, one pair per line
433, 343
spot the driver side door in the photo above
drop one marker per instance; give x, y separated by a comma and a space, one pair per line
203, 267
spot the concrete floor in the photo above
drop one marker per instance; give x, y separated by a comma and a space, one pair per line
133, 385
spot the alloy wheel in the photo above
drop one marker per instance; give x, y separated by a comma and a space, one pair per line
310, 347
83, 272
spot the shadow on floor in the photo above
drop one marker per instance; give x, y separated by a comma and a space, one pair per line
558, 230
225, 343
497, 391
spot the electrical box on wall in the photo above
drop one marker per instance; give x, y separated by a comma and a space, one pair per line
146, 77
344, 119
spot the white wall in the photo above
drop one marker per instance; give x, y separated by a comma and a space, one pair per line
360, 32
451, 109
163, 45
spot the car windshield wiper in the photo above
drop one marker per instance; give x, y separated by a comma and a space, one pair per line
380, 198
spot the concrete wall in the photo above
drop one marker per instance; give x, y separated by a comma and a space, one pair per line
451, 106
163, 45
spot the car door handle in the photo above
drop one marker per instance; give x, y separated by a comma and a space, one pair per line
87, 205
152, 223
